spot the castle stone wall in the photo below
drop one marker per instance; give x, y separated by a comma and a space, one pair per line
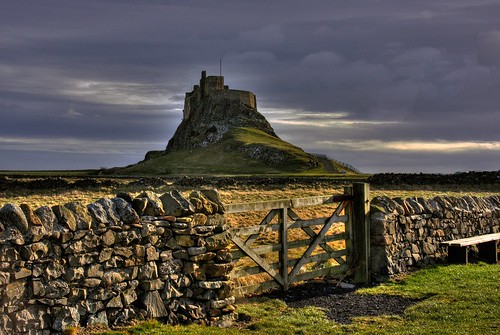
244, 97
406, 233
113, 261
214, 87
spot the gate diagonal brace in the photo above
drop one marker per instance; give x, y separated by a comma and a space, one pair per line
269, 217
257, 259
317, 240
312, 234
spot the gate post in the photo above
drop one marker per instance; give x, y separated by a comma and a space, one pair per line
360, 232
283, 240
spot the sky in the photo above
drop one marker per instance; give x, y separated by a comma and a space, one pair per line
383, 85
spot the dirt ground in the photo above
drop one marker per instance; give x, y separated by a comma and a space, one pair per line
342, 304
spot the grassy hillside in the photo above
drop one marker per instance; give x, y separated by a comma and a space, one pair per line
241, 151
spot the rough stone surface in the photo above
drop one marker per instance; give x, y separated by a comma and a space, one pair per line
12, 215
104, 263
176, 205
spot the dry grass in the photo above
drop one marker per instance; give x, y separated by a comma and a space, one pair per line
240, 194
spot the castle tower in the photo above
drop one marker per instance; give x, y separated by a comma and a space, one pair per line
213, 86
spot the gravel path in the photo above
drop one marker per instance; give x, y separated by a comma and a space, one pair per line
342, 304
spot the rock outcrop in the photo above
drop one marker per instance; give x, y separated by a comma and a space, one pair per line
211, 118
222, 132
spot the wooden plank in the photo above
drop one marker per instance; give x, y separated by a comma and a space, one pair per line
315, 222
257, 259
473, 240
255, 230
319, 238
253, 270
264, 249
290, 225
285, 203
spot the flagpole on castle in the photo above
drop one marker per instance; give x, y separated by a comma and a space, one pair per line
220, 67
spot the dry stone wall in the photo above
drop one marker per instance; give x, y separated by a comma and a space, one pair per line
113, 261
406, 233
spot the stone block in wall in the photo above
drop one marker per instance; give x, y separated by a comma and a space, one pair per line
214, 196
377, 221
47, 217
15, 293
176, 205
222, 303
202, 204
109, 238
408, 210
115, 302
56, 289
53, 270
112, 277
35, 251
185, 240
154, 206
34, 223
13, 215
170, 291
99, 318
125, 196
223, 256
148, 271
65, 217
82, 215
98, 214
125, 211
112, 216
65, 317
82, 259
153, 304
216, 220
202, 258
218, 241
4, 278
214, 270
416, 207
129, 296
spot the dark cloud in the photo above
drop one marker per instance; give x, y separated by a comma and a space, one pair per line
332, 76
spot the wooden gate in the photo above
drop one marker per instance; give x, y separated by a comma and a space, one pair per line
284, 248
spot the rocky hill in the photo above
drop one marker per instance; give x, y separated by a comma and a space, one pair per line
222, 132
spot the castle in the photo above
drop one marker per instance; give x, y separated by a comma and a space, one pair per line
213, 87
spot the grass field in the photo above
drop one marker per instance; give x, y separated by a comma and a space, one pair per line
457, 299
240, 151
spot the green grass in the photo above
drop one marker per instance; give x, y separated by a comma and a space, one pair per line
228, 157
461, 300
456, 300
